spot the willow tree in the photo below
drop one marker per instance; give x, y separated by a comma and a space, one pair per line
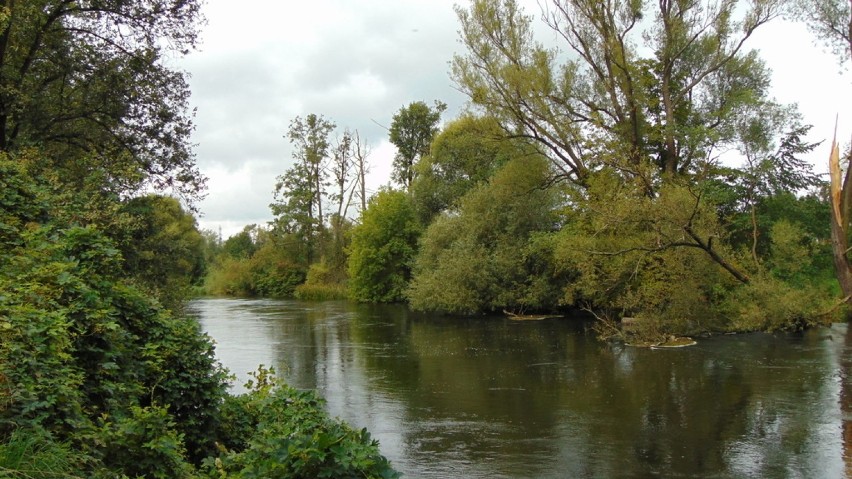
630, 83
651, 91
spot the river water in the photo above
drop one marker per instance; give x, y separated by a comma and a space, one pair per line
489, 397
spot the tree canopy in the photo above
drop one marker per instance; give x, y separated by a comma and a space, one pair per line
411, 131
648, 88
85, 82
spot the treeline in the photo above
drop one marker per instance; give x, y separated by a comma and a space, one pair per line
658, 182
102, 374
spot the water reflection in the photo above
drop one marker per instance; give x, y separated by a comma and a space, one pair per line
490, 397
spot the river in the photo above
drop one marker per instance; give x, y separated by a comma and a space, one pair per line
490, 397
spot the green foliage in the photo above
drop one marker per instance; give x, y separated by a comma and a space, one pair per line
646, 257
241, 245
273, 270
321, 284
830, 21
486, 257
280, 432
383, 248
299, 192
770, 304
182, 374
80, 345
88, 83
229, 277
465, 153
411, 131
162, 248
597, 99
145, 444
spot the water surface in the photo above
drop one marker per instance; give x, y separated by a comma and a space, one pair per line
494, 398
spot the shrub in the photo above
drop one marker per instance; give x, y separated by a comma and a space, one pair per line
145, 444
383, 248
321, 284
277, 431
769, 304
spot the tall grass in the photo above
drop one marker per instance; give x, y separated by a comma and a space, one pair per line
321, 292
35, 454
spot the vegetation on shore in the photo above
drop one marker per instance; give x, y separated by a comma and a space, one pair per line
102, 375
638, 169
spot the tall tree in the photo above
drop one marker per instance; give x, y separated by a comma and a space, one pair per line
411, 131
669, 105
362, 167
650, 116
85, 81
299, 192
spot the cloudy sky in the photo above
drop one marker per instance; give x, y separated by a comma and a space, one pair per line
264, 62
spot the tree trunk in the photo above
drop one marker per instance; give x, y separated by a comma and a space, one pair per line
841, 197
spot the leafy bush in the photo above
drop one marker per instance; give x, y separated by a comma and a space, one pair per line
321, 284
488, 255
145, 444
268, 273
231, 277
769, 304
276, 431
81, 347
383, 248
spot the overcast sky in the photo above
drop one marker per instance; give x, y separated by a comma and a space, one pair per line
264, 62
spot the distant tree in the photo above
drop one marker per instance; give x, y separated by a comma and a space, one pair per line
362, 167
465, 153
411, 131
243, 244
383, 248
298, 202
343, 170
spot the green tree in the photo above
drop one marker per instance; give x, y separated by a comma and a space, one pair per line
299, 192
162, 247
243, 244
383, 248
411, 131
465, 153
486, 257
640, 97
86, 82
610, 103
